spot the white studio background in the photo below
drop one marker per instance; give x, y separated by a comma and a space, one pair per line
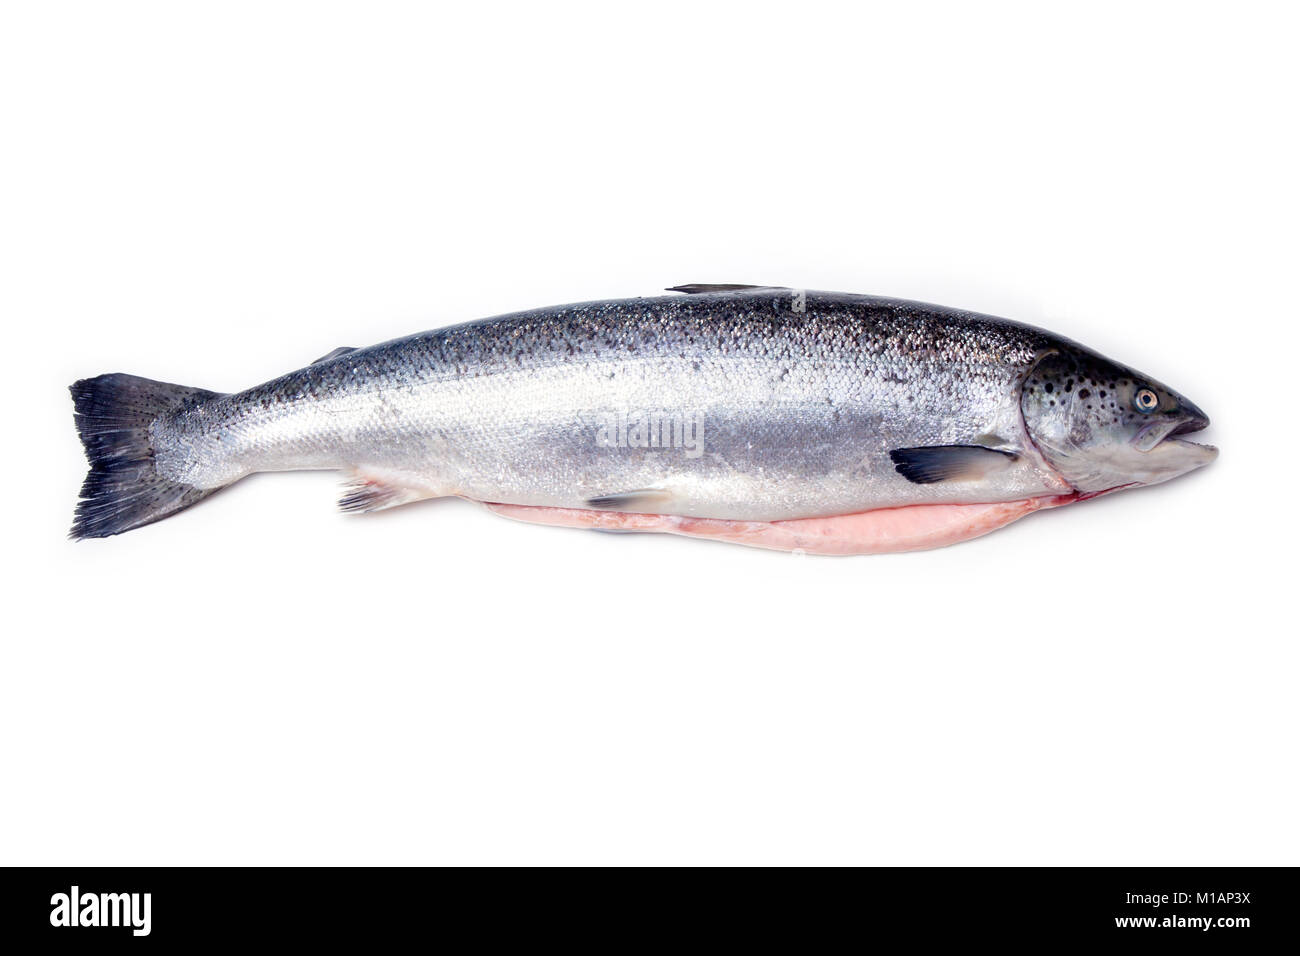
214, 194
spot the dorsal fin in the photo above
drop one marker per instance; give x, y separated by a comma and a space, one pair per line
695, 288
341, 350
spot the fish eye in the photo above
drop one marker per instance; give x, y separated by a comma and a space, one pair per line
1145, 400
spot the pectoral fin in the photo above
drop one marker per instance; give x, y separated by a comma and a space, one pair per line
935, 463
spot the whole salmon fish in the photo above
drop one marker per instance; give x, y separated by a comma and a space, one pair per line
814, 421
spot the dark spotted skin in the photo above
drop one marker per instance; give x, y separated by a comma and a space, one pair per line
1075, 399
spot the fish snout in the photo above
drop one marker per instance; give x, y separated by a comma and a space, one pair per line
1193, 419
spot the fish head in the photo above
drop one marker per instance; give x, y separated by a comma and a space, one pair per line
1104, 426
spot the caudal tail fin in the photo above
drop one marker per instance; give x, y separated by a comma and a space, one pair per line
123, 489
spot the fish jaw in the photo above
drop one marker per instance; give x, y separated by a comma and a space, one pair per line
882, 531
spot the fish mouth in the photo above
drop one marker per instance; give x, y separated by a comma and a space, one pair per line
1200, 423
1170, 433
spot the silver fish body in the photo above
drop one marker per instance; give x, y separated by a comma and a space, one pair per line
758, 404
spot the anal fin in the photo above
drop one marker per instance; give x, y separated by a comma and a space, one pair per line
362, 494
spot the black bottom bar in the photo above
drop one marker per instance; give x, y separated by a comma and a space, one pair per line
1224, 908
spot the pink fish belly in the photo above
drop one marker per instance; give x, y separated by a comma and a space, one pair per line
884, 531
